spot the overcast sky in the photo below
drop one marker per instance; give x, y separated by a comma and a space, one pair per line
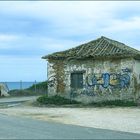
30, 30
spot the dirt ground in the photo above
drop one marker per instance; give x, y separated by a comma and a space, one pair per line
122, 119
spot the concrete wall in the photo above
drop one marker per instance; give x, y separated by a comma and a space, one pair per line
102, 79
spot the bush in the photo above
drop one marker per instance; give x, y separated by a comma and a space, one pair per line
40, 87
115, 103
18, 92
56, 100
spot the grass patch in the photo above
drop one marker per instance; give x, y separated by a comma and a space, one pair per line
42, 86
25, 92
121, 103
35, 89
56, 100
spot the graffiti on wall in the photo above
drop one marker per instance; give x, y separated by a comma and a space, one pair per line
100, 83
115, 80
52, 81
104, 83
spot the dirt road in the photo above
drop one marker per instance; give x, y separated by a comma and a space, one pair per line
13, 127
122, 119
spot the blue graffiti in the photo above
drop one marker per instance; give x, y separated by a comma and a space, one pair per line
106, 80
126, 70
124, 80
94, 80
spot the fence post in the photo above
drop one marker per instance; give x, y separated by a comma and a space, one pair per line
35, 86
7, 86
20, 84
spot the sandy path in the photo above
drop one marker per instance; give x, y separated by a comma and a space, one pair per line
122, 119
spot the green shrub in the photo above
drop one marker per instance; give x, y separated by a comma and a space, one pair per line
42, 86
18, 92
38, 89
57, 100
124, 103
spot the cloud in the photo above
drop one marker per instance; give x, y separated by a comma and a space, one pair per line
31, 29
127, 25
4, 37
21, 46
65, 19
15, 68
49, 44
62, 17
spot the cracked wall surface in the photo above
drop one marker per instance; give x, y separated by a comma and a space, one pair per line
103, 80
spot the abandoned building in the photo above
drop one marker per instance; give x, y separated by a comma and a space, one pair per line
100, 70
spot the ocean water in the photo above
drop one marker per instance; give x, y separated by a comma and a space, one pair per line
18, 85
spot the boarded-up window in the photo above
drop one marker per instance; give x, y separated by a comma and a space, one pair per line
77, 80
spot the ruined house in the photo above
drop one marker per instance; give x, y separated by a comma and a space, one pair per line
100, 70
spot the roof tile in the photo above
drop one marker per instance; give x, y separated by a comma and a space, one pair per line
101, 47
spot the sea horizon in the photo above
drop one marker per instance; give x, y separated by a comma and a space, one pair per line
19, 84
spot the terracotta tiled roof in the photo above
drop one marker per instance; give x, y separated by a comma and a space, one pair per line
102, 47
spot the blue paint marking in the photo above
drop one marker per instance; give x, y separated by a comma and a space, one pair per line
123, 80
106, 78
87, 81
126, 70
94, 80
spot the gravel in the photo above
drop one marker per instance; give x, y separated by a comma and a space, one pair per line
125, 119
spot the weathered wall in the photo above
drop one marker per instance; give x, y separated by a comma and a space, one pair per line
102, 79
136, 70
56, 77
